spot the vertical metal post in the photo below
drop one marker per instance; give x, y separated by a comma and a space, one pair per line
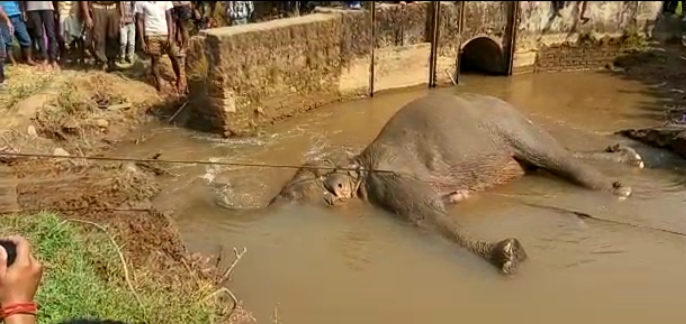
372, 45
460, 23
435, 32
512, 42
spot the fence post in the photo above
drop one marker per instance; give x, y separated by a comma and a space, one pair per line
435, 32
372, 45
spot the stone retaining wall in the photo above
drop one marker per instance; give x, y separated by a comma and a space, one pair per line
243, 78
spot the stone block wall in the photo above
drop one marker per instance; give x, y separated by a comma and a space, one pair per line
544, 39
242, 78
575, 58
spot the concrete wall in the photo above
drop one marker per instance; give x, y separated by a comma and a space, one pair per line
245, 77
543, 39
481, 19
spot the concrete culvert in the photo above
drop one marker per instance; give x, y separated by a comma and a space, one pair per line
482, 56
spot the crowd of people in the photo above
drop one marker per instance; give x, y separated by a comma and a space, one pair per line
52, 33
49, 34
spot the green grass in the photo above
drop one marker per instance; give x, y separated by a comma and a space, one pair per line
83, 277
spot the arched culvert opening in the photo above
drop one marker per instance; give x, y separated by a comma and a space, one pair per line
482, 56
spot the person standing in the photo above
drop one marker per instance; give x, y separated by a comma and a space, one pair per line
13, 12
203, 14
6, 23
354, 5
154, 19
239, 12
41, 14
102, 20
182, 14
127, 32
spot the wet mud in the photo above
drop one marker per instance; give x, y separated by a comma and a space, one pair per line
91, 115
663, 70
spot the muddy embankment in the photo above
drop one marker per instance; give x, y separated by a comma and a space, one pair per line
86, 114
663, 70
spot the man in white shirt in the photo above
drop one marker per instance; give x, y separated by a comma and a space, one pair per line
154, 18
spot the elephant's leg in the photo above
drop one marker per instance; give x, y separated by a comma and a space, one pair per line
538, 148
417, 202
616, 153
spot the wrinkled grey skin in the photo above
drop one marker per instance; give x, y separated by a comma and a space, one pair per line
440, 148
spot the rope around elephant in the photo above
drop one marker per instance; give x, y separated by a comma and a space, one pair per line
155, 159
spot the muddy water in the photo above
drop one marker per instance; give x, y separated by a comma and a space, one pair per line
358, 265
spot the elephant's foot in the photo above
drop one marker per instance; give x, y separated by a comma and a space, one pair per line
507, 255
627, 155
620, 190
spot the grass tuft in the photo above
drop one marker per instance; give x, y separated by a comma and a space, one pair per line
84, 277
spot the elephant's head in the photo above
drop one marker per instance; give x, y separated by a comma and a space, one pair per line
317, 182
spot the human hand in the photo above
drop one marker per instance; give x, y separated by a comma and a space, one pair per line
19, 282
89, 23
144, 46
10, 27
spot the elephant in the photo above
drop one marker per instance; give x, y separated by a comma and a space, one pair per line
440, 148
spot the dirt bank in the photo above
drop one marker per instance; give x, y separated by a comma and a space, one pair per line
663, 70
86, 113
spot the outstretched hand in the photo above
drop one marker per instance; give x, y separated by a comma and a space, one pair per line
19, 282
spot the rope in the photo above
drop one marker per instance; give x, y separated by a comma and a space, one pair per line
586, 216
156, 160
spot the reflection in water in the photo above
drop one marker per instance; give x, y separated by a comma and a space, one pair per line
357, 264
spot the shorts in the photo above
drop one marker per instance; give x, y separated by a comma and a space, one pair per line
159, 45
182, 13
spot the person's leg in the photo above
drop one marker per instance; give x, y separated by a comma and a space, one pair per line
173, 53
123, 41
99, 35
3, 52
37, 21
155, 45
112, 38
51, 30
23, 38
131, 45
237, 22
185, 13
7, 43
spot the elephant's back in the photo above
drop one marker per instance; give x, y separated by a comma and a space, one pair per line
462, 121
447, 140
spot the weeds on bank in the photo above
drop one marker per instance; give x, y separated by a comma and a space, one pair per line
84, 277
22, 82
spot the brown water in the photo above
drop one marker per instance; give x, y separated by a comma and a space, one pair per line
359, 265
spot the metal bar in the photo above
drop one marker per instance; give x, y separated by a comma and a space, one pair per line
460, 23
372, 45
435, 32
513, 36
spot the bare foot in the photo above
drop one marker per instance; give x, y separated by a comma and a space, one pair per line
56, 67
181, 86
507, 254
157, 82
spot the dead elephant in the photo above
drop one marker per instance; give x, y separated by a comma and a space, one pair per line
440, 148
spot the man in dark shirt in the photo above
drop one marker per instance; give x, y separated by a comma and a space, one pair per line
102, 19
